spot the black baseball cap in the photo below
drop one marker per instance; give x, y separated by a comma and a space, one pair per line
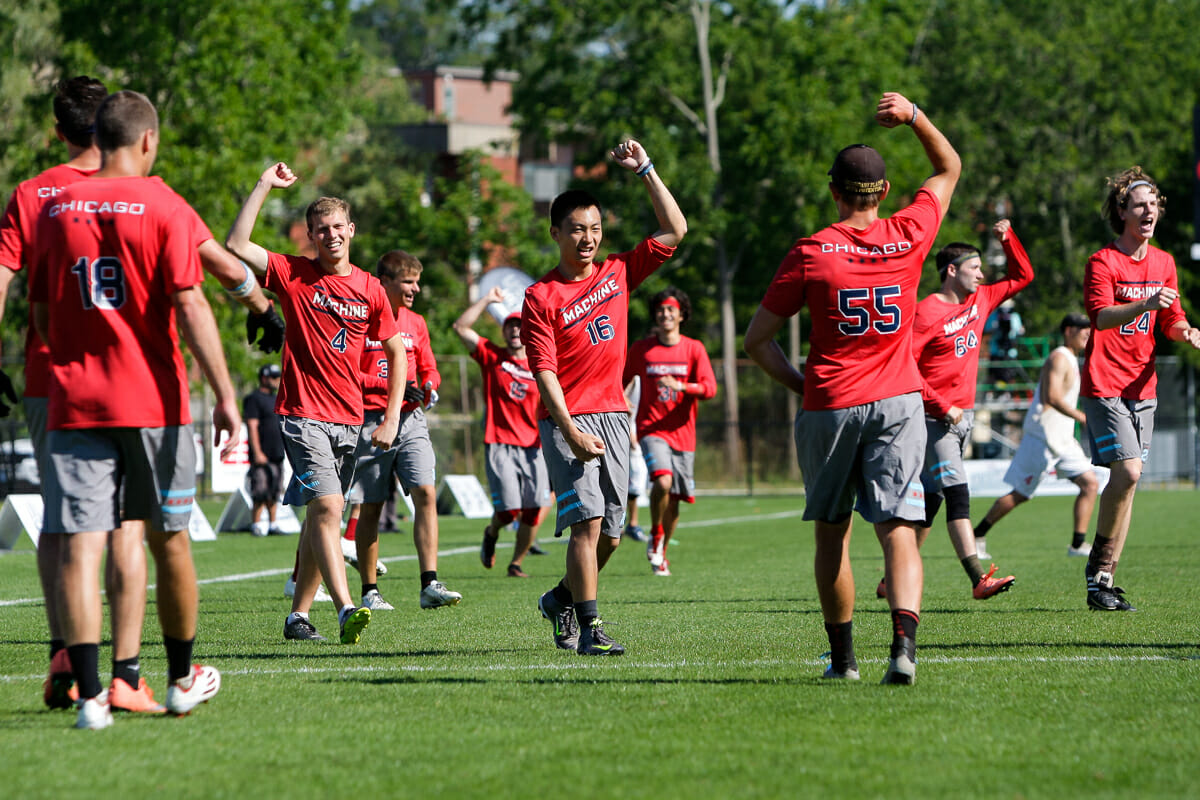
858, 169
1074, 320
268, 371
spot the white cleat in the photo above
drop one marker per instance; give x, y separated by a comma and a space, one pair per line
436, 595
374, 601
94, 713
202, 685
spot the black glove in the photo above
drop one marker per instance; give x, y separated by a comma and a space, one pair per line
414, 393
270, 325
7, 391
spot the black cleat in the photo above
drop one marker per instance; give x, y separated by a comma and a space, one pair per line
1103, 596
566, 630
593, 641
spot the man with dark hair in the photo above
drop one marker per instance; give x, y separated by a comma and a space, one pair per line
332, 308
1129, 287
265, 439
946, 339
516, 470
574, 326
1049, 442
860, 432
75, 104
675, 375
409, 456
114, 268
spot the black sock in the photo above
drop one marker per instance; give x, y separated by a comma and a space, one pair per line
562, 593
841, 645
179, 657
904, 632
428, 577
1078, 538
982, 528
974, 571
128, 670
586, 613
55, 646
370, 587
85, 666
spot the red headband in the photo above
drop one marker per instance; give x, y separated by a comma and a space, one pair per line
670, 301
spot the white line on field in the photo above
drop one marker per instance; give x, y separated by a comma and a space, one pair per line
456, 551
576, 665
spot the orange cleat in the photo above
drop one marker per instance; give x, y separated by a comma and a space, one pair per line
989, 586
123, 697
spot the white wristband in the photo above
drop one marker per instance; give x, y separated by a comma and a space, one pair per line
246, 287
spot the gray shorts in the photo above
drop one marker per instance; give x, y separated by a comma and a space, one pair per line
661, 459
37, 410
590, 489
410, 458
321, 455
98, 477
517, 477
945, 445
1118, 429
866, 458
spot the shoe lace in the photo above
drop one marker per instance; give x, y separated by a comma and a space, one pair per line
990, 573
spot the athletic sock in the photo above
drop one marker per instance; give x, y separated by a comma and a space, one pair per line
344, 612
562, 593
85, 666
586, 613
428, 577
295, 615
841, 645
351, 527
369, 587
982, 528
1077, 539
904, 632
974, 571
128, 670
55, 646
1101, 559
179, 657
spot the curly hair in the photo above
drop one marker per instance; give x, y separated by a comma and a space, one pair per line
680, 296
1117, 199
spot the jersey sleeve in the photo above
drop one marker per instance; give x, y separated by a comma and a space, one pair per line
936, 405
703, 372
11, 241
1019, 275
382, 325
921, 220
483, 354
1172, 314
643, 260
179, 260
1098, 287
634, 362
427, 371
785, 295
538, 334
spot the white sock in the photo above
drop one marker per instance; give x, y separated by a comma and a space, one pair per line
295, 615
345, 612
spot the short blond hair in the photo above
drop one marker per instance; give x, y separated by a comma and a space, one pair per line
398, 264
324, 206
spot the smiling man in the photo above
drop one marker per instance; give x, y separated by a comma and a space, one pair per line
574, 325
332, 308
1129, 286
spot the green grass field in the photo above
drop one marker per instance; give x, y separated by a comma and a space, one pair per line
1025, 695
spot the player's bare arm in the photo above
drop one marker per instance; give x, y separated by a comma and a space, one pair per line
1183, 332
397, 360
256, 452
464, 325
199, 329
896, 109
277, 176
1055, 382
672, 225
229, 272
761, 346
584, 445
1118, 315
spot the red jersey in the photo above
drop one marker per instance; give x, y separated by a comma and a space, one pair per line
1119, 362
109, 255
861, 290
946, 336
16, 249
511, 394
421, 365
578, 329
329, 319
663, 412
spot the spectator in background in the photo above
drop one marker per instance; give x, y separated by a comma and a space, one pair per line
266, 450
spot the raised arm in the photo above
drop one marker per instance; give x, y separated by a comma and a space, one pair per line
464, 325
199, 330
277, 176
894, 109
759, 343
672, 225
233, 276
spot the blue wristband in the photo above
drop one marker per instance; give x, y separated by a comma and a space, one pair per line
641, 172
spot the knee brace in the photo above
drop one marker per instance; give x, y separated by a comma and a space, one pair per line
933, 501
958, 502
530, 516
